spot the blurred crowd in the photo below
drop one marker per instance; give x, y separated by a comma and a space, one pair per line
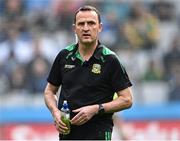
144, 34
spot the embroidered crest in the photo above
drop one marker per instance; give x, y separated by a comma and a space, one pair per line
96, 68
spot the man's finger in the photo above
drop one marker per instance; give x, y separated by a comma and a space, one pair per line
77, 118
60, 128
77, 110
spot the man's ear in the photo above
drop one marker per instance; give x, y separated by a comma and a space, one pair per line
100, 27
73, 27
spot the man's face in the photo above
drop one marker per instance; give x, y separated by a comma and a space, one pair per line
87, 27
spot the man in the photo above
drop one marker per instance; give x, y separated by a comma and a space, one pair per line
89, 74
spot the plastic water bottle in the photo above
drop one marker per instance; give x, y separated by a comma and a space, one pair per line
65, 116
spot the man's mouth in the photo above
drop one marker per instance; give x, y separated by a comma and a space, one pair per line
86, 35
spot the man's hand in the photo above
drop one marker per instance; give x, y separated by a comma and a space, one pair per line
84, 114
60, 126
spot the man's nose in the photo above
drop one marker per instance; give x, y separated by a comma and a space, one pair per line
86, 27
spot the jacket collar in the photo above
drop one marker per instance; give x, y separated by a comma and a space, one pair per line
97, 53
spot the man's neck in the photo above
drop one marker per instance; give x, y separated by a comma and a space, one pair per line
86, 51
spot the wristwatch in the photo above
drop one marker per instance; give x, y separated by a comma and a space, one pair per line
101, 109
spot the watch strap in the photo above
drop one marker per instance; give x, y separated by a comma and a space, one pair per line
101, 109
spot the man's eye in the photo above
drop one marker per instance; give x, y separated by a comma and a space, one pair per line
81, 24
91, 23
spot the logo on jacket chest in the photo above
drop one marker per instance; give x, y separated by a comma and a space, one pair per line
96, 68
66, 66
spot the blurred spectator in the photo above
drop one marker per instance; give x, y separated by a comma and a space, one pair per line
109, 34
39, 15
51, 43
174, 94
4, 81
18, 79
38, 21
38, 69
13, 15
141, 31
3, 31
63, 13
164, 10
13, 9
115, 13
172, 68
96, 3
171, 58
120, 7
4, 84
153, 73
8, 65
20, 48
37, 5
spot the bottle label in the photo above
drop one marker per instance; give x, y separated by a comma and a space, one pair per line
67, 116
67, 122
